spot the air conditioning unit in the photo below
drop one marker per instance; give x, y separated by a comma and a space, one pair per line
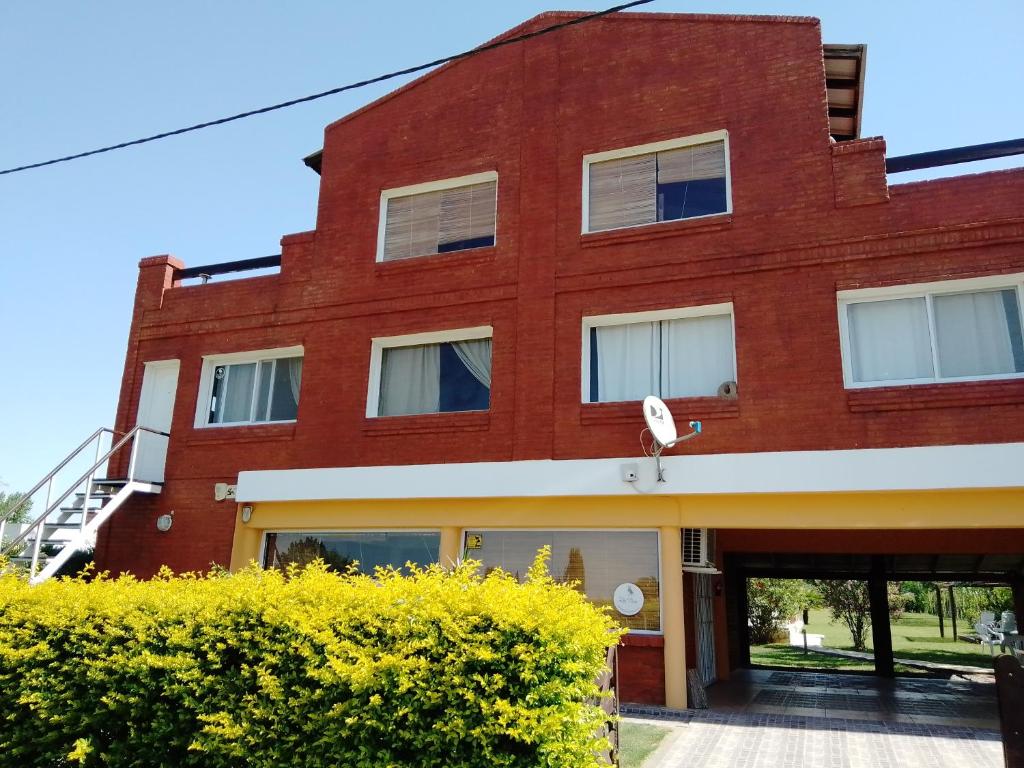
698, 547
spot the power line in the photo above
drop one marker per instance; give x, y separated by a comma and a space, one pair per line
332, 91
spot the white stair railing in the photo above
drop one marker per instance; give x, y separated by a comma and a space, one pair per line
36, 528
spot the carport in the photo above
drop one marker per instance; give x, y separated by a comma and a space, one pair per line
771, 560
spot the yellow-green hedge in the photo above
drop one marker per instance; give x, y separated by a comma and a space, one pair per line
259, 669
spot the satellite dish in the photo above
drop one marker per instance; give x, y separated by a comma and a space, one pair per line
663, 427
659, 420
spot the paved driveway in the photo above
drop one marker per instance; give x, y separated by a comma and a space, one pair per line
710, 740
782, 719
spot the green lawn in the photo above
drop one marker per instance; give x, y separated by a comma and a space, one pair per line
915, 636
637, 742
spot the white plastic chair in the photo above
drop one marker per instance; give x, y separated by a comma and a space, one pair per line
1008, 622
988, 637
987, 617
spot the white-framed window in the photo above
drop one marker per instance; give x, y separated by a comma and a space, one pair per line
681, 178
250, 387
438, 217
953, 330
435, 372
688, 352
598, 561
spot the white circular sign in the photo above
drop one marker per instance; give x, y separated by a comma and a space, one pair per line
628, 599
659, 420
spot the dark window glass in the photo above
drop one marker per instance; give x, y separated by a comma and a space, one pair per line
369, 550
461, 245
686, 199
460, 390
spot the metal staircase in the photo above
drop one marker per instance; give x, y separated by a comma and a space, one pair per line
71, 517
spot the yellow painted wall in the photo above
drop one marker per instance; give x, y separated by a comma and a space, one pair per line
904, 510
1000, 508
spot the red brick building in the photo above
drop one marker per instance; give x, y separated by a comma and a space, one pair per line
512, 250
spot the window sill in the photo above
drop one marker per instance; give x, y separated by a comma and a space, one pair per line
469, 257
242, 433
428, 423
634, 640
683, 409
954, 394
656, 231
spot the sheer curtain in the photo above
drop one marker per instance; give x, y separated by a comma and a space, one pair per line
237, 393
696, 356
410, 380
973, 333
623, 193
627, 361
890, 340
295, 376
476, 356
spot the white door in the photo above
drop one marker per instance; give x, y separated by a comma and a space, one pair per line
156, 405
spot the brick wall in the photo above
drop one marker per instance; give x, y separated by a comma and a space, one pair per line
531, 111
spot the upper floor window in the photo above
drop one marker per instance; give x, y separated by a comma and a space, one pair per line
670, 353
664, 181
955, 330
438, 217
437, 372
250, 387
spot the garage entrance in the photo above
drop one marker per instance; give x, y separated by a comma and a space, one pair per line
863, 583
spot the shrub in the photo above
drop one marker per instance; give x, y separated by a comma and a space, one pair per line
307, 668
770, 604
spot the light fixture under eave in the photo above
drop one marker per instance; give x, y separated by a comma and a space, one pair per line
164, 522
246, 513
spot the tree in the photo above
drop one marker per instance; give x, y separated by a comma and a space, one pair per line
770, 604
849, 602
8, 501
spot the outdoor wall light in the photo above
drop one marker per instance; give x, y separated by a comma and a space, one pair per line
164, 522
246, 513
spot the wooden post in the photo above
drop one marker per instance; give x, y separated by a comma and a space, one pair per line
952, 611
881, 632
938, 606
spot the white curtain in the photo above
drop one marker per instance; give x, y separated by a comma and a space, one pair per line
410, 380
295, 376
696, 356
627, 361
623, 193
890, 340
467, 213
973, 333
476, 356
236, 393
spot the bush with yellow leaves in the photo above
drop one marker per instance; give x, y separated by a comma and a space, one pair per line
308, 668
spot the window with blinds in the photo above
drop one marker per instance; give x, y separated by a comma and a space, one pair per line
434, 221
680, 182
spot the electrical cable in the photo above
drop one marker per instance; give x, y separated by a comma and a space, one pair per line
333, 91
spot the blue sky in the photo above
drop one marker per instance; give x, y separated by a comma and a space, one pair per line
78, 75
